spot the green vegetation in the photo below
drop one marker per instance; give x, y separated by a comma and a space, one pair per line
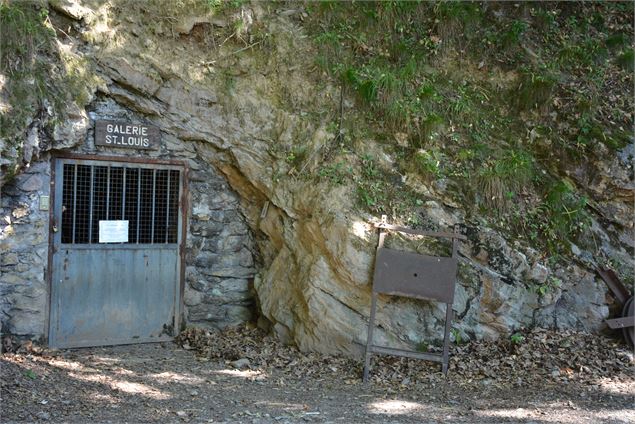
500, 101
456, 336
626, 59
372, 190
296, 157
500, 179
25, 42
174, 8
40, 79
535, 89
383, 192
336, 173
560, 216
428, 163
517, 338
552, 284
422, 347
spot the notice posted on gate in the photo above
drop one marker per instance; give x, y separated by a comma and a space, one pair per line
127, 135
113, 231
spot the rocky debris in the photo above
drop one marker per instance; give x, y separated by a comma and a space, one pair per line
44, 416
26, 347
73, 9
526, 358
240, 363
187, 23
7, 344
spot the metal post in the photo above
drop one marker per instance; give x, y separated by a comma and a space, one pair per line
154, 193
108, 193
455, 242
373, 308
74, 199
167, 208
446, 338
90, 204
369, 338
123, 194
138, 201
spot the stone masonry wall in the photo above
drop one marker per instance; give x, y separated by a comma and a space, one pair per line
24, 257
219, 261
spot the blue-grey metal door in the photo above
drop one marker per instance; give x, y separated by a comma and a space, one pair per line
115, 276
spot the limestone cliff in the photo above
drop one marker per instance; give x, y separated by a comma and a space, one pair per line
238, 87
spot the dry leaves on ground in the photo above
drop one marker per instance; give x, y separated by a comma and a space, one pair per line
557, 357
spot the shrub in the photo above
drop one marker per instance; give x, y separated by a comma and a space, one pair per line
535, 89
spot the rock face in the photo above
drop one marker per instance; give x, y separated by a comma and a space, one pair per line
261, 240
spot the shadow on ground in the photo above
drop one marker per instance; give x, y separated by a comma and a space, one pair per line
164, 383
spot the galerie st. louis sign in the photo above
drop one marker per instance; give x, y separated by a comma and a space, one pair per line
127, 135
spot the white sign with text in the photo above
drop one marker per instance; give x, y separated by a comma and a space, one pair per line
113, 231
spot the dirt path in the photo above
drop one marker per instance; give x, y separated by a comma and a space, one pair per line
166, 383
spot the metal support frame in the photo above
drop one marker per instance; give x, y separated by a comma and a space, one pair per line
414, 276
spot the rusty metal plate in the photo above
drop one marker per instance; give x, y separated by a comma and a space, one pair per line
624, 322
412, 275
619, 290
629, 312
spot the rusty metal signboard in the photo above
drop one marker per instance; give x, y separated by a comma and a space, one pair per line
416, 276
411, 275
127, 135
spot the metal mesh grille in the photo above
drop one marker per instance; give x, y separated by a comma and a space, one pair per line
100, 191
146, 198
81, 220
172, 206
115, 202
160, 205
146, 210
68, 200
131, 203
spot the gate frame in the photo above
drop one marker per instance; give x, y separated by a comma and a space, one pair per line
184, 207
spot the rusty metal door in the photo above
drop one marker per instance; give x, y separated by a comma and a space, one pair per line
116, 247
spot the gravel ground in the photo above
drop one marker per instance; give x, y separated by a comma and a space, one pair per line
245, 376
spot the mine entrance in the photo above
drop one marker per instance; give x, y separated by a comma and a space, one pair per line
116, 248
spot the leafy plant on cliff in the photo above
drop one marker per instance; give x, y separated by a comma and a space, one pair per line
535, 88
486, 86
499, 180
25, 42
40, 80
336, 173
562, 215
517, 338
550, 285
